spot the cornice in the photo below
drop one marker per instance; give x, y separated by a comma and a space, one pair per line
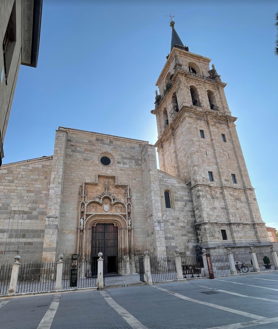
23, 162
228, 223
186, 111
223, 186
101, 135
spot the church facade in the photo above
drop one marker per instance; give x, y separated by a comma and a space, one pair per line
104, 193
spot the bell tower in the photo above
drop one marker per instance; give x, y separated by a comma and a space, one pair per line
198, 143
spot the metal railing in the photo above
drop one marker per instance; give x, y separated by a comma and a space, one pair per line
5, 277
243, 262
163, 268
141, 269
265, 260
36, 277
86, 275
220, 264
191, 268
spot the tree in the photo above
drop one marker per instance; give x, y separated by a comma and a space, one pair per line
276, 48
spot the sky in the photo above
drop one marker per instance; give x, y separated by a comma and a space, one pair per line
99, 62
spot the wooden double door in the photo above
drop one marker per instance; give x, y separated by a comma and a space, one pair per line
105, 240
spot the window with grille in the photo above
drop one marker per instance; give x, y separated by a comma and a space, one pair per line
234, 179
167, 199
210, 176
224, 234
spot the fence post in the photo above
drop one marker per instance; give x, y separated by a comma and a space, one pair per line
14, 275
274, 257
100, 271
254, 260
127, 266
147, 269
205, 262
59, 273
178, 265
232, 262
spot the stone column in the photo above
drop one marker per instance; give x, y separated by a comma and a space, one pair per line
178, 265
147, 269
59, 274
232, 262
274, 257
14, 276
204, 257
100, 284
254, 260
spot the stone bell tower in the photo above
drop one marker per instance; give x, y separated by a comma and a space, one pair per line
198, 142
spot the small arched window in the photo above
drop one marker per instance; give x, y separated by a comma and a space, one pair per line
175, 103
195, 96
167, 199
193, 69
165, 118
212, 100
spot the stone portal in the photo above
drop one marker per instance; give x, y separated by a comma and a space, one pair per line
105, 225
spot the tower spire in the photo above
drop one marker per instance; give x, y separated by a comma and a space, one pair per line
176, 40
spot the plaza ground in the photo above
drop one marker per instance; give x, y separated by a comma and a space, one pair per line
229, 303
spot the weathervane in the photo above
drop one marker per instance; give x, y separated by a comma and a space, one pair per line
171, 17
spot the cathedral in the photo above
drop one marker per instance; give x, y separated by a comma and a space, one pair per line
104, 193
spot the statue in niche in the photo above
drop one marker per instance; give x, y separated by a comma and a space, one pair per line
129, 222
81, 223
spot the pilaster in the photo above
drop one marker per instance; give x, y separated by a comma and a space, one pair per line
155, 226
55, 199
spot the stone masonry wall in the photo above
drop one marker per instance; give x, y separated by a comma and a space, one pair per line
179, 220
82, 164
24, 190
154, 223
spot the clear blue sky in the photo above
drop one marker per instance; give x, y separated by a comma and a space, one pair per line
99, 62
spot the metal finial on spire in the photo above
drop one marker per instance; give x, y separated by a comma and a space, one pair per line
172, 23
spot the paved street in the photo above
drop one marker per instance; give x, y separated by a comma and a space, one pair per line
229, 303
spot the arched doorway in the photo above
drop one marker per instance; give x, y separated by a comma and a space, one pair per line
105, 239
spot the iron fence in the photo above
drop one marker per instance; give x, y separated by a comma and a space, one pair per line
163, 269
220, 265
265, 260
5, 277
86, 276
141, 269
191, 267
36, 277
243, 262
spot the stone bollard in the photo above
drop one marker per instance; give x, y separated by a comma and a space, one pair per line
274, 257
59, 273
232, 262
14, 275
147, 269
100, 284
254, 260
204, 257
178, 265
